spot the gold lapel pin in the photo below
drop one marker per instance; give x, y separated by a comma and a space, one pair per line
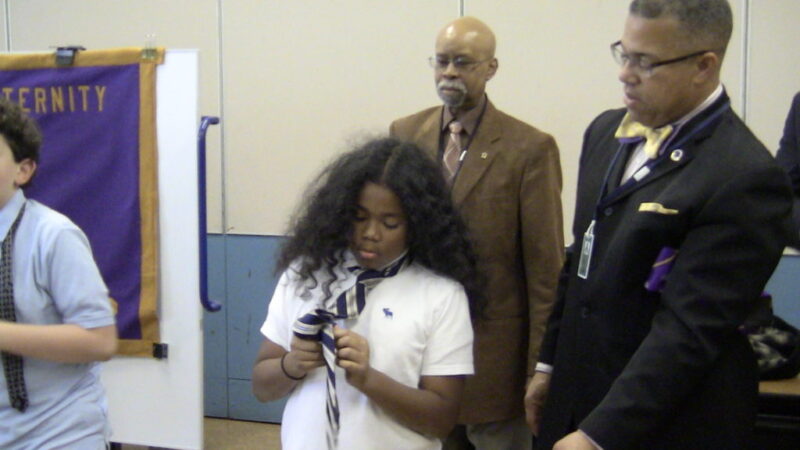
484, 155
676, 155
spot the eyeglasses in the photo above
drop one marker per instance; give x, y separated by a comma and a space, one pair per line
460, 63
642, 63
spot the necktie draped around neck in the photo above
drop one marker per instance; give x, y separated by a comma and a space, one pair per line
318, 325
452, 151
629, 130
12, 364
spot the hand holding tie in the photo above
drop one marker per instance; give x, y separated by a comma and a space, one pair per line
305, 356
352, 355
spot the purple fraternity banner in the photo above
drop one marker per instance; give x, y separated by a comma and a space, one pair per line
97, 166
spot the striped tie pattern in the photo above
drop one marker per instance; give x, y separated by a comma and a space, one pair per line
452, 151
12, 364
318, 325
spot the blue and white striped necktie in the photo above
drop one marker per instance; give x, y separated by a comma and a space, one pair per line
318, 325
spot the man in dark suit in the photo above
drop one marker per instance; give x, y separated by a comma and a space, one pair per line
506, 182
675, 236
788, 157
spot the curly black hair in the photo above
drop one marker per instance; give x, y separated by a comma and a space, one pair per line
321, 228
20, 131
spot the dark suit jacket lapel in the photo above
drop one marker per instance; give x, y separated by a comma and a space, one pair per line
618, 168
480, 154
664, 167
678, 157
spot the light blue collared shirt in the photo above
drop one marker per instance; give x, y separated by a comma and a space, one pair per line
56, 281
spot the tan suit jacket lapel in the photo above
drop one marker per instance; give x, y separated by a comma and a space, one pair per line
480, 154
429, 132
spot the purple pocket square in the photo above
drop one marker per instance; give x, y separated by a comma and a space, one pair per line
661, 267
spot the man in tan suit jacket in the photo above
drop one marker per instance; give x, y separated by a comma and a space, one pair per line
507, 186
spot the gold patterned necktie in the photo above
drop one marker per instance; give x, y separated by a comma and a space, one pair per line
452, 152
630, 129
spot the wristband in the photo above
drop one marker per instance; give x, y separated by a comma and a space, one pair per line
283, 368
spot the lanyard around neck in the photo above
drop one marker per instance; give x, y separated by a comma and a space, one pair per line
587, 244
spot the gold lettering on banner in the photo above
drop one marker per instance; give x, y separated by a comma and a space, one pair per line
22, 95
40, 96
101, 93
58, 99
71, 99
84, 100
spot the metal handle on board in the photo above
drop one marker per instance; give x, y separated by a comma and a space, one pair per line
205, 121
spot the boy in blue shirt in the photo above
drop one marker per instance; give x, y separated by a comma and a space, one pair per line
56, 320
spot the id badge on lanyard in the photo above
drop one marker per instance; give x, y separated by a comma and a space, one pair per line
586, 251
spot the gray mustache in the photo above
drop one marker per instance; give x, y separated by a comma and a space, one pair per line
452, 84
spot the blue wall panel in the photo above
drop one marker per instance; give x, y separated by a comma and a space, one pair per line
784, 286
244, 405
241, 277
215, 339
250, 267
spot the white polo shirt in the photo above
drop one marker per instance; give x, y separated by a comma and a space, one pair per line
417, 323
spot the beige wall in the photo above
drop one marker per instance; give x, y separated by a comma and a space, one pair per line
3, 41
302, 78
296, 81
38, 25
774, 66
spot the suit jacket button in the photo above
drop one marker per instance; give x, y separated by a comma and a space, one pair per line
584, 312
608, 211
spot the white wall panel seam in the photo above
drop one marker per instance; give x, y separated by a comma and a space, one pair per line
7, 18
222, 107
745, 67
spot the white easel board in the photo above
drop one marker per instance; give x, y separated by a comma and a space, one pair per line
160, 402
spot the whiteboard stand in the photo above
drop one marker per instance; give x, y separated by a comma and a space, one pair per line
159, 403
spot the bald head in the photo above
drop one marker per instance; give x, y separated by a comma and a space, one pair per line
472, 32
464, 63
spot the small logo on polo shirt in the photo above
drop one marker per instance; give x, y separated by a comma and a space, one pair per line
388, 313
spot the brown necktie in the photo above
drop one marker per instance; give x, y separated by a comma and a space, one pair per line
12, 364
452, 151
